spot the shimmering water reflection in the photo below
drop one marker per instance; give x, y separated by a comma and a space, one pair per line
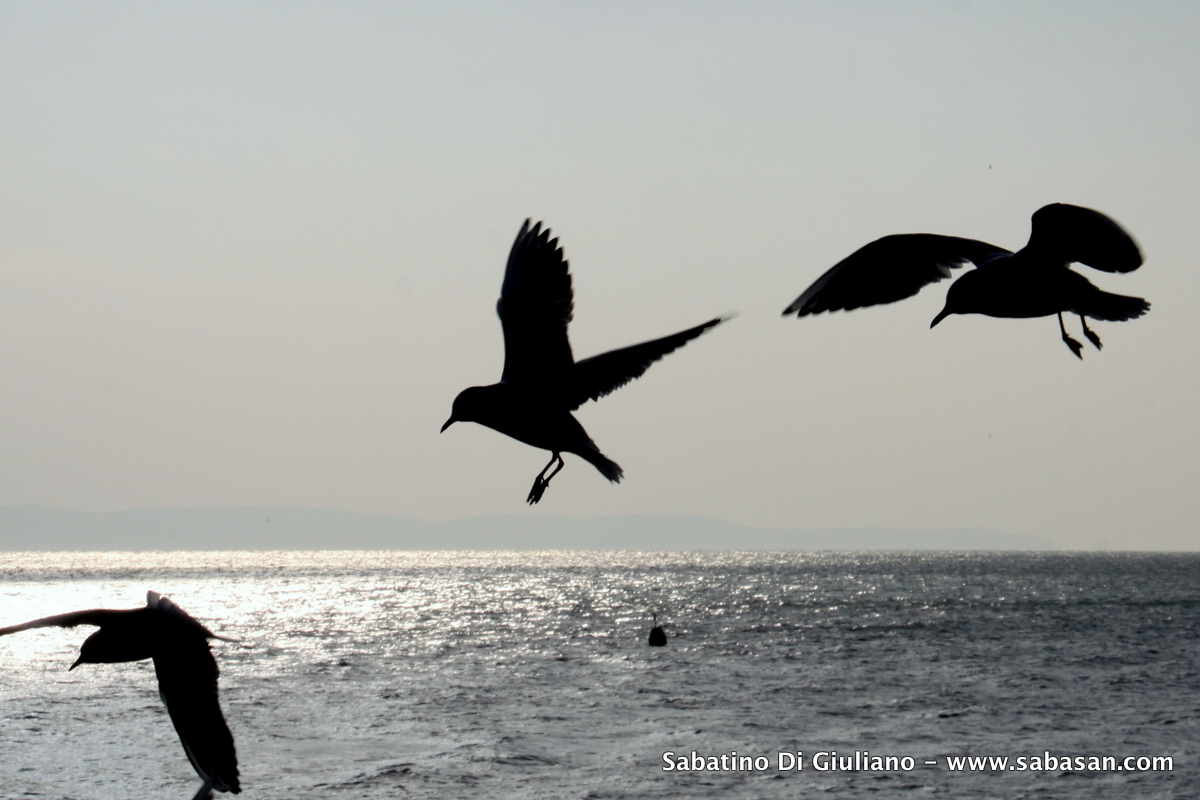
527, 674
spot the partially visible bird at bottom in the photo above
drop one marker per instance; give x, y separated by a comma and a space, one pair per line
1035, 281
542, 383
658, 638
186, 671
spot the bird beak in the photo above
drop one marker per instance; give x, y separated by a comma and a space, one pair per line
76, 664
449, 422
941, 316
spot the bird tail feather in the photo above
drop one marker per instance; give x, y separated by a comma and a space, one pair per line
608, 468
1112, 307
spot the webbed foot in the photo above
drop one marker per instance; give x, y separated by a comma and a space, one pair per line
1075, 346
539, 488
1091, 334
543, 480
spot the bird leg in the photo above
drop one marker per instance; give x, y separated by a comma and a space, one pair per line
205, 792
543, 480
1074, 344
1091, 334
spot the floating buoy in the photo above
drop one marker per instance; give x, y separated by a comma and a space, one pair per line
657, 637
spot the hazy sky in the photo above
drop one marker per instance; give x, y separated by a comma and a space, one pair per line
249, 253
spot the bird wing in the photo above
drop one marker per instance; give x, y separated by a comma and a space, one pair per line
1067, 233
597, 376
94, 616
535, 307
890, 269
187, 683
164, 604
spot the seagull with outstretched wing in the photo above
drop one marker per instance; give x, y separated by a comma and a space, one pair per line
186, 671
542, 383
1035, 281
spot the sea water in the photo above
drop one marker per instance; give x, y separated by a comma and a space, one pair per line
528, 675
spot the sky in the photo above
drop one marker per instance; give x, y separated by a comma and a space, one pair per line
250, 252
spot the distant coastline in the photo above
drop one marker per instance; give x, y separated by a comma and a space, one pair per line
44, 528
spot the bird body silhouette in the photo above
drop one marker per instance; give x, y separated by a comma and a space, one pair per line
1035, 281
523, 412
542, 383
185, 668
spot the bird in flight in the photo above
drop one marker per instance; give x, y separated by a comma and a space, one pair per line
186, 670
1035, 281
542, 383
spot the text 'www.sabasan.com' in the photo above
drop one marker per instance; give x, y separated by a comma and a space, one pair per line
865, 761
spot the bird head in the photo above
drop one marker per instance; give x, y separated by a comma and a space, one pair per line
945, 312
464, 408
961, 297
109, 647
92, 650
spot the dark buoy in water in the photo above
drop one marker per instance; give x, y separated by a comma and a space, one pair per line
186, 670
657, 637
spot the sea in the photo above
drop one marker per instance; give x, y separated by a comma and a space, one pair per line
528, 675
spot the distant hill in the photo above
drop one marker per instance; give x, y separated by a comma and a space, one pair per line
291, 528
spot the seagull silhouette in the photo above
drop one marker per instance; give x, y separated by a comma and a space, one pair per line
542, 383
1035, 281
186, 670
